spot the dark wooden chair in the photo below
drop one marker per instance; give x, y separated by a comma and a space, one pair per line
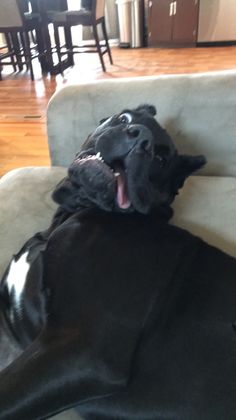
16, 29
86, 17
44, 10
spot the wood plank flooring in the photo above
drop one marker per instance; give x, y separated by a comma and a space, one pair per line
23, 103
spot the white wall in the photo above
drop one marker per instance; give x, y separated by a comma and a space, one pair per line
2, 40
217, 20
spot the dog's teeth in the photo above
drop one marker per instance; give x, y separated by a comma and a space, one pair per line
98, 156
117, 174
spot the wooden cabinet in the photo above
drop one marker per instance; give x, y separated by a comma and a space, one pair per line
172, 22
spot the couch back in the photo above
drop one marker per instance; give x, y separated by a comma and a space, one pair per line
198, 111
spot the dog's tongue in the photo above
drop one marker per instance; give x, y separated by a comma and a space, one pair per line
122, 196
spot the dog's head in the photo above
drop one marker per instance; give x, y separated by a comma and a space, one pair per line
129, 163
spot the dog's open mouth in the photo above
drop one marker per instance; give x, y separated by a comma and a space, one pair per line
120, 173
112, 176
122, 198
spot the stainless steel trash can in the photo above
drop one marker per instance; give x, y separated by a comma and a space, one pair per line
130, 18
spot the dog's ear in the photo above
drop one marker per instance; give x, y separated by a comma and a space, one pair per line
150, 109
186, 165
65, 195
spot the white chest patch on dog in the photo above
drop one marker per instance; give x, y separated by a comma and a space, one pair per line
16, 278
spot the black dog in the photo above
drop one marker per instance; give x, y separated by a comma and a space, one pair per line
117, 311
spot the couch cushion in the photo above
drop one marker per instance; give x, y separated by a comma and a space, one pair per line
205, 206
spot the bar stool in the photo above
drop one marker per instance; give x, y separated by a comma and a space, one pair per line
84, 17
16, 30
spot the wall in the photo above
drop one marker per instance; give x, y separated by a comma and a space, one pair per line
2, 40
112, 19
111, 22
217, 20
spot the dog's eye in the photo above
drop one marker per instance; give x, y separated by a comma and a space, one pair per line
161, 153
161, 160
125, 118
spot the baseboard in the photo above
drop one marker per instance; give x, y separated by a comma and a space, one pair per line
216, 43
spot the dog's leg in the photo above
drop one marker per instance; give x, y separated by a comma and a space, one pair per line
57, 371
9, 348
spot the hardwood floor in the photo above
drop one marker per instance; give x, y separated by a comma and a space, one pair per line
23, 103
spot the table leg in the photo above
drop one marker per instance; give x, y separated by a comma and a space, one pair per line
41, 50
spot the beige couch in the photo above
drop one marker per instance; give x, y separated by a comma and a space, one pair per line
199, 111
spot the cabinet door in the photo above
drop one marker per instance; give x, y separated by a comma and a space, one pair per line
185, 21
159, 22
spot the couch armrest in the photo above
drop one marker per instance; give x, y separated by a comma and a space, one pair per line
26, 206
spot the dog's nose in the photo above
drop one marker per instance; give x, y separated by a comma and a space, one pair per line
146, 145
133, 132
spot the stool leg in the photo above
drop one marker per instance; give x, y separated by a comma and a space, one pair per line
98, 46
10, 48
69, 45
58, 46
28, 57
17, 49
106, 40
